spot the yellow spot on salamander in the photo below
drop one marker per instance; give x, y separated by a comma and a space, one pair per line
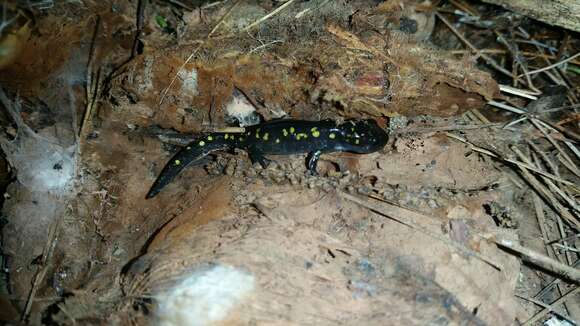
188, 147
201, 143
226, 136
285, 132
315, 133
313, 129
301, 135
209, 138
292, 130
332, 136
356, 141
265, 136
177, 162
277, 140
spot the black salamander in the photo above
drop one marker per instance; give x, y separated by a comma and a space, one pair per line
281, 137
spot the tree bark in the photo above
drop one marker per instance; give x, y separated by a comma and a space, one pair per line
564, 13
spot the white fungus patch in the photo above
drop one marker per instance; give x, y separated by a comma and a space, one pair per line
204, 297
242, 110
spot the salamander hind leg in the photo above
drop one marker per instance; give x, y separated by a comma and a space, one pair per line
257, 156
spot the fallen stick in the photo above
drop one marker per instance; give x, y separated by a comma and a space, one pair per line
541, 260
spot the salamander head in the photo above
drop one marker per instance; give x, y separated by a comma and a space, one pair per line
363, 136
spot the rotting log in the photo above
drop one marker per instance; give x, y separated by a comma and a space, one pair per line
563, 13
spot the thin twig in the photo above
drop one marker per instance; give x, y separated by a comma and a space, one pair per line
487, 58
446, 128
480, 116
559, 63
4, 21
518, 163
507, 107
565, 131
92, 88
574, 236
466, 8
519, 62
566, 163
502, 51
525, 168
542, 224
555, 79
514, 122
517, 91
560, 108
140, 23
268, 16
549, 182
573, 148
526, 115
544, 311
51, 239
545, 158
567, 248
181, 4
307, 10
559, 76
537, 123
264, 45
557, 190
549, 197
92, 92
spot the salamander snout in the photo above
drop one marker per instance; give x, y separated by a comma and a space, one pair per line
375, 136
364, 136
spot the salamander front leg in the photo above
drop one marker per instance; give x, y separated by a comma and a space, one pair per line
257, 156
312, 161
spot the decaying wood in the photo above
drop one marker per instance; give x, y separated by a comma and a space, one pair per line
562, 13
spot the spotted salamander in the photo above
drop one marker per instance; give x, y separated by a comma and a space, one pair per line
280, 137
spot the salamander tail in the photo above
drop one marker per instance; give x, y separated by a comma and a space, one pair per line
193, 152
